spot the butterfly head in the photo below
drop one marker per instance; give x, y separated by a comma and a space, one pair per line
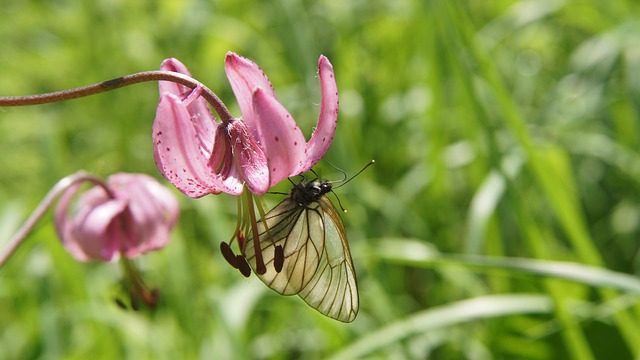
305, 193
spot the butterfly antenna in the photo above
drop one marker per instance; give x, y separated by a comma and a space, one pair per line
339, 202
345, 182
344, 174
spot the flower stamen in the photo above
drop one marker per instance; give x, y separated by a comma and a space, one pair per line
260, 267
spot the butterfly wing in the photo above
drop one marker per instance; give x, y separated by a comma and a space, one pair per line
317, 261
333, 289
290, 226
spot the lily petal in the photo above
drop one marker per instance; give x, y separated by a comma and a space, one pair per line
164, 202
80, 234
153, 210
245, 76
279, 135
177, 151
249, 158
64, 224
201, 115
97, 231
173, 65
327, 120
223, 163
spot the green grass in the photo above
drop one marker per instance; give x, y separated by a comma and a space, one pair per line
501, 219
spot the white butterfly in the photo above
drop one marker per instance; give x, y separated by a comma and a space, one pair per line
305, 250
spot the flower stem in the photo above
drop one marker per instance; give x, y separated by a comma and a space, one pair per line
42, 208
138, 288
145, 76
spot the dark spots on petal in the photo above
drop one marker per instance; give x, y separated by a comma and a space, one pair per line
295, 143
159, 133
168, 148
323, 139
273, 170
276, 138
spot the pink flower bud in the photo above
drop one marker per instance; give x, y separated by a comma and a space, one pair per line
129, 215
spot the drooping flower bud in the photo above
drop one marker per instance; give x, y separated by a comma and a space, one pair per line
129, 215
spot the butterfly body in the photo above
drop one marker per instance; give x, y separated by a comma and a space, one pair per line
305, 193
317, 263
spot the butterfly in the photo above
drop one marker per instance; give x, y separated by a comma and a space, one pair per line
305, 250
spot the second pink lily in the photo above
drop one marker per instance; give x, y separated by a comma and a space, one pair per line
201, 156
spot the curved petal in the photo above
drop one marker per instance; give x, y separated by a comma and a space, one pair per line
164, 200
173, 65
61, 214
201, 115
279, 136
82, 242
64, 223
152, 212
328, 119
222, 162
249, 158
164, 215
91, 238
177, 152
245, 76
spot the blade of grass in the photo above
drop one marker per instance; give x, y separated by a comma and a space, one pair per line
483, 307
545, 170
417, 253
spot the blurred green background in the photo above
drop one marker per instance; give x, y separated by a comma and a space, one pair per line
501, 219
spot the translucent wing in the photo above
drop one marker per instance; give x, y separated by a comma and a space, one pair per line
288, 225
333, 289
317, 262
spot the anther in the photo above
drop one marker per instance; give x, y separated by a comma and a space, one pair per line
228, 254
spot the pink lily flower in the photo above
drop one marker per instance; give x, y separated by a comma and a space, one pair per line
129, 215
200, 156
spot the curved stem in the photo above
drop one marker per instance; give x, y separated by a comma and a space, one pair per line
138, 288
145, 76
42, 208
